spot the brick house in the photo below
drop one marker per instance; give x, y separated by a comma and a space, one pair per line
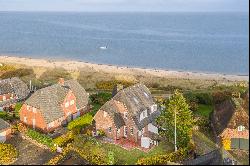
12, 90
231, 122
130, 115
5, 130
53, 106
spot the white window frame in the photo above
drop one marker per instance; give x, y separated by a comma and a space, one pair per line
104, 114
34, 110
125, 115
4, 97
72, 102
67, 104
131, 131
110, 129
241, 128
25, 119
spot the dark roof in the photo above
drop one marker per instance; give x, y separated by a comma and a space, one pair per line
229, 114
136, 99
111, 108
49, 99
16, 86
3, 124
81, 95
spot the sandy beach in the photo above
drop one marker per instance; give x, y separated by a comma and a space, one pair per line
112, 69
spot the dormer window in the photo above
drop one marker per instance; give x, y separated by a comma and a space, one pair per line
153, 108
146, 94
135, 99
143, 115
241, 128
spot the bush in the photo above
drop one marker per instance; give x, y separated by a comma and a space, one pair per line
39, 137
17, 73
109, 85
63, 140
101, 133
80, 122
8, 153
18, 106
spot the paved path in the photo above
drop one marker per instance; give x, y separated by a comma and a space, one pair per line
28, 153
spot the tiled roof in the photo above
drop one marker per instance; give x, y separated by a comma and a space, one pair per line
81, 95
49, 99
3, 124
234, 133
16, 86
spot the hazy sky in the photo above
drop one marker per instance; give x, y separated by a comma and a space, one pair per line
124, 5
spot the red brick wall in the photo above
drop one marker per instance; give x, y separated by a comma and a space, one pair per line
71, 108
7, 96
30, 115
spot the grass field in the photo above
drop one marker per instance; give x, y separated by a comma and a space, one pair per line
126, 157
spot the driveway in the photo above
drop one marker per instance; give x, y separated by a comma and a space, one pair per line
28, 153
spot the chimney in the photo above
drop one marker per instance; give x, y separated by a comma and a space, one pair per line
61, 81
116, 89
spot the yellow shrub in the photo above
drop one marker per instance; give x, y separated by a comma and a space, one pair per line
226, 144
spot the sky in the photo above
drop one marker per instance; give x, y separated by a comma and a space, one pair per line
126, 5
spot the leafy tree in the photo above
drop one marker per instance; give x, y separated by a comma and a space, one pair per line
184, 120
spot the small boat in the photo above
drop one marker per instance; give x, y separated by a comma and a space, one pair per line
103, 47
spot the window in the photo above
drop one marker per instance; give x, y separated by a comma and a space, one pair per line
146, 94
118, 131
25, 119
34, 109
105, 114
145, 113
4, 98
132, 131
51, 125
28, 107
110, 129
72, 102
139, 133
153, 108
67, 104
241, 128
125, 115
125, 131
135, 99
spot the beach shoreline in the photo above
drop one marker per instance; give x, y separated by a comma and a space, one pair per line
73, 65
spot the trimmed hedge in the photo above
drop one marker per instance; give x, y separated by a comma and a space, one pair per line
63, 140
81, 122
39, 137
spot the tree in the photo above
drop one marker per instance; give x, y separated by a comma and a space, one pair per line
184, 120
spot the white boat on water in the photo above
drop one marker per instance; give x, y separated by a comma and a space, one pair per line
104, 48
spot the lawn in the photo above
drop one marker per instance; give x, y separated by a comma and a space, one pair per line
204, 110
125, 157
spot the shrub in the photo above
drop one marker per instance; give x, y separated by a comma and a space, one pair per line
8, 153
17, 73
63, 140
51, 76
81, 122
17, 108
39, 137
101, 133
109, 85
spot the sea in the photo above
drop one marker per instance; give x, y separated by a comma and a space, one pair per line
211, 42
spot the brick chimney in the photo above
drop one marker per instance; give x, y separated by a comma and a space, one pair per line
61, 81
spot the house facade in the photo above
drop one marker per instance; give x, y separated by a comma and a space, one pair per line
53, 106
130, 115
5, 130
12, 90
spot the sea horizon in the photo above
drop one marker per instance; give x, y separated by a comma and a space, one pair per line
165, 40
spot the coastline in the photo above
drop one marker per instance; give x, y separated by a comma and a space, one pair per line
72, 65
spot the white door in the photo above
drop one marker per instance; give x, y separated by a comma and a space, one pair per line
2, 136
145, 142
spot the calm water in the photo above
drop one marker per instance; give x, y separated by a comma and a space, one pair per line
210, 42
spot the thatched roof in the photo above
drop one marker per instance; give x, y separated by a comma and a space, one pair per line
3, 124
48, 100
230, 114
135, 99
13, 86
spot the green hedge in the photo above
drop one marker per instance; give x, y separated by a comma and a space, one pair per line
81, 122
39, 137
63, 140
